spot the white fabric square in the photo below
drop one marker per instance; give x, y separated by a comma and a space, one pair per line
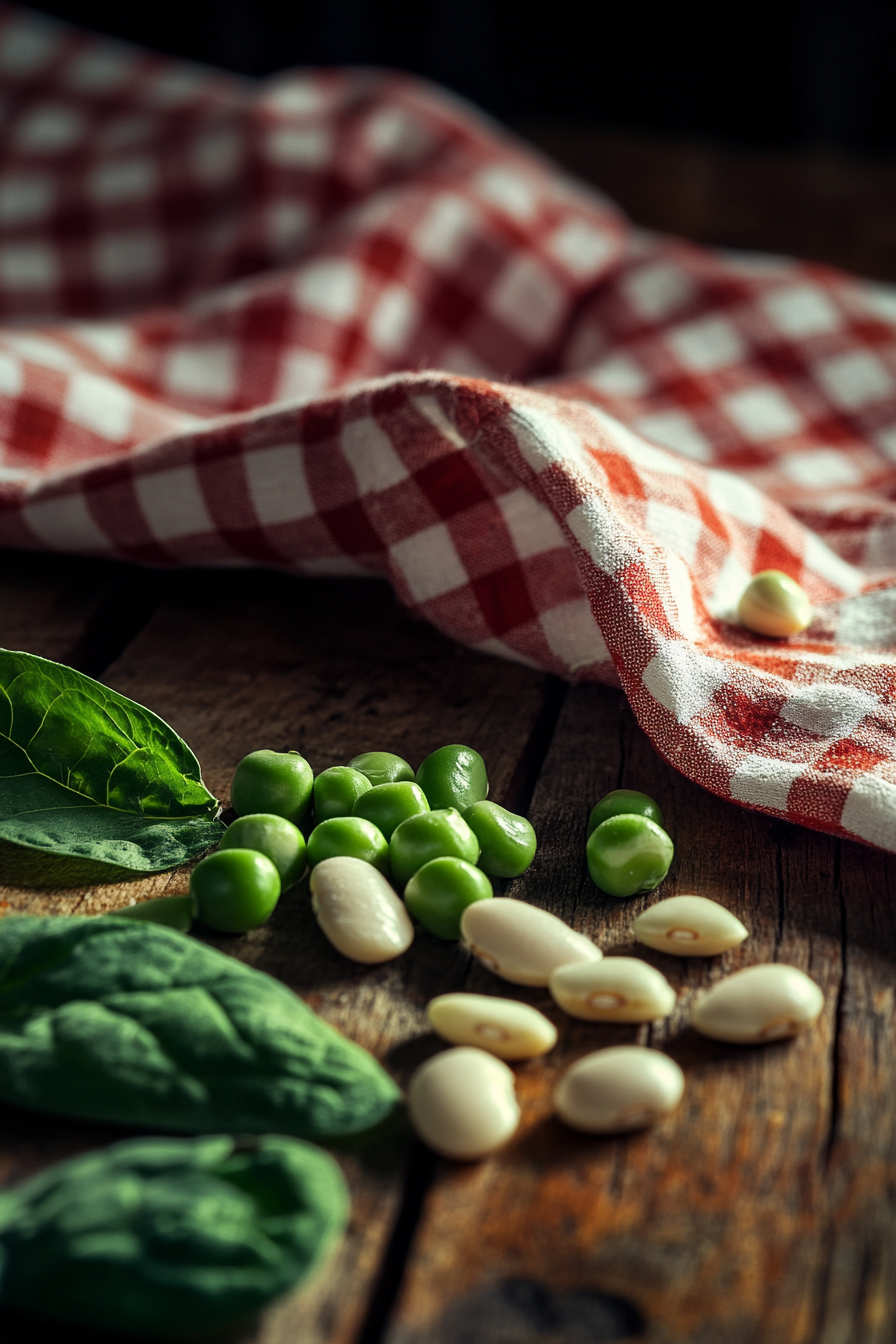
25, 198
886, 438
620, 376
299, 146
100, 405
657, 290
65, 524
683, 680
177, 84
854, 379
820, 468
878, 297
371, 456
543, 439
41, 350
100, 68
430, 409
173, 504
527, 298
111, 341
293, 95
764, 781
287, 224
831, 710
762, 413
827, 564
127, 258
48, 128
532, 527
596, 530
499, 649
429, 563
676, 430
207, 371
732, 495
868, 621
28, 266
870, 810
394, 134
303, 373
332, 288
508, 189
444, 233
278, 486
10, 375
679, 531
28, 42
638, 450
731, 581
122, 180
216, 154
707, 345
574, 636
392, 319
801, 310
581, 248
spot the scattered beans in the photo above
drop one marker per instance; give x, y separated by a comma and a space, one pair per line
621, 1088
388, 805
620, 801
430, 835
352, 836
522, 943
689, 926
453, 776
381, 767
337, 790
774, 604
461, 1103
504, 1027
760, 1003
507, 840
617, 989
358, 911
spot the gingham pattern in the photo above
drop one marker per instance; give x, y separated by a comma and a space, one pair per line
196, 272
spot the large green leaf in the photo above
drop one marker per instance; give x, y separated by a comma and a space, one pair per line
112, 1019
88, 777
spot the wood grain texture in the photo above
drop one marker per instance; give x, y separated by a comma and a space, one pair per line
763, 1209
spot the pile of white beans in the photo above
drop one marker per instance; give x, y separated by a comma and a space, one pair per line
462, 1102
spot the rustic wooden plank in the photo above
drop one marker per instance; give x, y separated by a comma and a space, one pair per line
241, 661
763, 1209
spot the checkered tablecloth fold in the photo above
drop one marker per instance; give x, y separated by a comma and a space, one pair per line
336, 323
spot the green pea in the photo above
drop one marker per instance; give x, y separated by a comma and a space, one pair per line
272, 781
175, 911
439, 893
507, 841
430, 835
624, 801
337, 790
388, 805
234, 889
453, 777
274, 837
352, 836
627, 854
382, 767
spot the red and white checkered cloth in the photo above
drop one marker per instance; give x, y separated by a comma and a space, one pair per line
222, 301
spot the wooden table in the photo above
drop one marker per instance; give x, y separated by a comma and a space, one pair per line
763, 1210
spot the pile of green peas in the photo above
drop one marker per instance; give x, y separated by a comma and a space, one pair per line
627, 849
432, 832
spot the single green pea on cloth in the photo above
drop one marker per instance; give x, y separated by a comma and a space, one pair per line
169, 1237
118, 1020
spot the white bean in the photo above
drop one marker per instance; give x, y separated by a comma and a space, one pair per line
623, 1087
520, 942
774, 604
358, 910
689, 926
504, 1027
461, 1103
760, 1003
617, 989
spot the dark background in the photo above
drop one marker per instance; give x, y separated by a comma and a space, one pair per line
795, 73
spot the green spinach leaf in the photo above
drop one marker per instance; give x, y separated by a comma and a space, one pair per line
117, 1019
169, 1236
88, 777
